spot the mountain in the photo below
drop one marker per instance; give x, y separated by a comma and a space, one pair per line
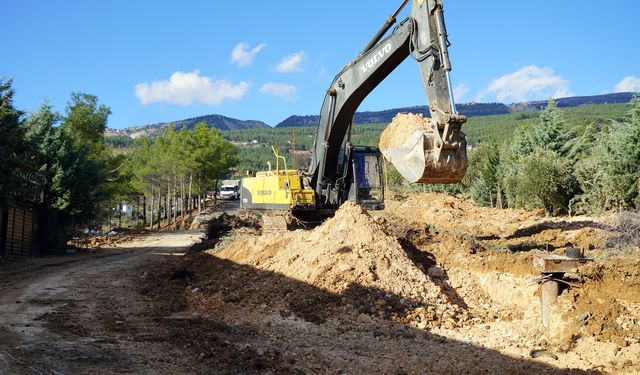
371, 117
213, 121
468, 109
385, 116
574, 101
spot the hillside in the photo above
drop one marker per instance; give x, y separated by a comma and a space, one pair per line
255, 151
385, 116
468, 109
213, 121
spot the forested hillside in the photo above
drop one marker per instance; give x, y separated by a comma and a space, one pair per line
254, 144
510, 156
75, 177
577, 160
212, 121
467, 109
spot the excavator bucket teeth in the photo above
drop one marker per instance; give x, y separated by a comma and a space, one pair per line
415, 147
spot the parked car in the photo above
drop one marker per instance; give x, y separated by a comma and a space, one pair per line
229, 192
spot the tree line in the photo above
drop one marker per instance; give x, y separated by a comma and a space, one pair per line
176, 169
585, 169
64, 154
62, 164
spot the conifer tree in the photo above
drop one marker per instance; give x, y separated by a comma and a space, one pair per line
12, 148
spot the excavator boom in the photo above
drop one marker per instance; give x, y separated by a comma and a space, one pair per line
432, 154
429, 151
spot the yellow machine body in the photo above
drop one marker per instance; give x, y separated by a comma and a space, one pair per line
276, 190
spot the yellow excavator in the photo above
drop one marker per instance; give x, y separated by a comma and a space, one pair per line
340, 171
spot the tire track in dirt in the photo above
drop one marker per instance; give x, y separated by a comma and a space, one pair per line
31, 342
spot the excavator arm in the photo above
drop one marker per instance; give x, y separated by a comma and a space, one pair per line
423, 36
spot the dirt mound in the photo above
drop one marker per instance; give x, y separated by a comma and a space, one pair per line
458, 213
113, 238
431, 262
219, 229
225, 222
401, 128
357, 262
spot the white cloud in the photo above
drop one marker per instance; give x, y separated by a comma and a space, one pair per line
460, 91
243, 55
281, 90
528, 83
628, 84
291, 63
187, 88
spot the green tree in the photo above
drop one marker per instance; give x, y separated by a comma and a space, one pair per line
624, 155
85, 161
177, 165
582, 146
484, 186
595, 176
548, 134
545, 181
12, 147
86, 121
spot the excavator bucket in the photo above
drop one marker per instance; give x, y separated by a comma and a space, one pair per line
424, 152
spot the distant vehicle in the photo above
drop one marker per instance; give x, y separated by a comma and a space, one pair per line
230, 189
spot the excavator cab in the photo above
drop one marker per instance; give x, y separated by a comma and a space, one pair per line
365, 177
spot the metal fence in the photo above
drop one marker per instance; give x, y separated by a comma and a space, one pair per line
19, 218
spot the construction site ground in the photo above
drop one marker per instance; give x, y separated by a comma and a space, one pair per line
430, 285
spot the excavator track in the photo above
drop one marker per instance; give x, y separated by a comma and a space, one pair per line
276, 221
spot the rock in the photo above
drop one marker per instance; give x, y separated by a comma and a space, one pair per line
364, 318
582, 318
435, 271
343, 267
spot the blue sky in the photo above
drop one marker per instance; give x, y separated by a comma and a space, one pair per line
157, 61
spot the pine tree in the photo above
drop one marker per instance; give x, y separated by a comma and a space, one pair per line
548, 134
484, 187
609, 176
12, 148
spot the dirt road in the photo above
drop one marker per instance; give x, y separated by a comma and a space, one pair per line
76, 314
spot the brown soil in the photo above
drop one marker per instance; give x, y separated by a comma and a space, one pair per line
432, 284
402, 126
351, 255
117, 236
439, 264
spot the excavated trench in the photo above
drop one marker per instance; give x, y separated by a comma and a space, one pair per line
431, 264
